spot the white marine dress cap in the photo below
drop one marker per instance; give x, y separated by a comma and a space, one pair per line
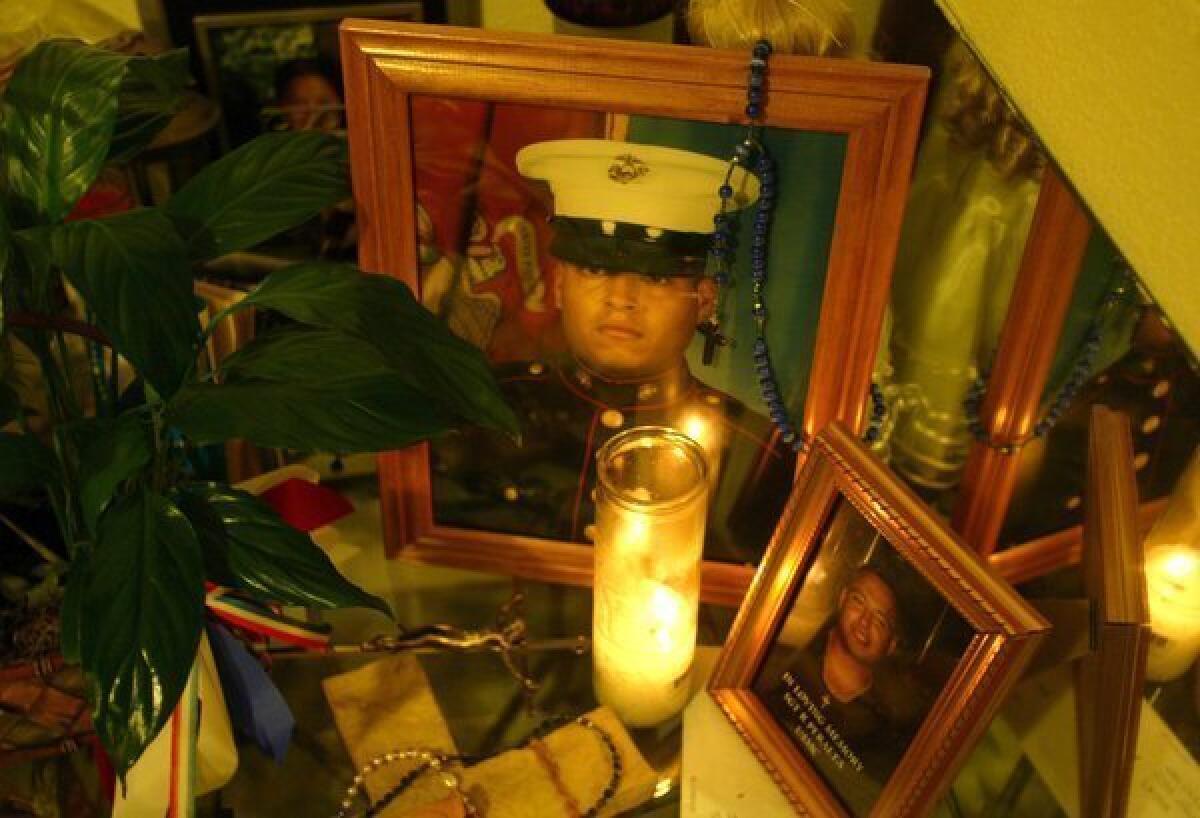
649, 185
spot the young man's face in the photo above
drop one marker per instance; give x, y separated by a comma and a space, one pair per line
867, 618
627, 326
309, 103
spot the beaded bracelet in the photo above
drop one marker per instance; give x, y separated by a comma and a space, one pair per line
614, 757
752, 152
431, 760
448, 778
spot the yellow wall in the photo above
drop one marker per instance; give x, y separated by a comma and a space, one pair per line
24, 23
1112, 88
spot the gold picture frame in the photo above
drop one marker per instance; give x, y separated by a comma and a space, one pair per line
842, 768
875, 108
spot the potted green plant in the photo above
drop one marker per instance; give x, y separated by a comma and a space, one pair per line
360, 366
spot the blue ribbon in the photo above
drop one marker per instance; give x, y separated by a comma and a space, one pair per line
257, 710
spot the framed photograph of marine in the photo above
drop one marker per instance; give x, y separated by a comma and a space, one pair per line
553, 200
872, 648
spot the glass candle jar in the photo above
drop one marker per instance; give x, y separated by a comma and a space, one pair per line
651, 504
1173, 580
1173, 596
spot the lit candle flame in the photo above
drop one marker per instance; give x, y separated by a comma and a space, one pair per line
1173, 597
666, 608
635, 533
699, 428
1181, 565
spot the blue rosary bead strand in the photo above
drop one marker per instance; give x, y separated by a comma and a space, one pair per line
1076, 378
751, 151
770, 391
767, 381
973, 402
720, 249
878, 412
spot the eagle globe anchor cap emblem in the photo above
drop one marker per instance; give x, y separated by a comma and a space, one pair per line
626, 168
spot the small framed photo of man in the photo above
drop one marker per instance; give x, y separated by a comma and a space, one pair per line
872, 647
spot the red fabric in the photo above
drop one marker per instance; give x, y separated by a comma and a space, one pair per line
466, 179
107, 196
173, 786
448, 141
306, 506
504, 192
104, 770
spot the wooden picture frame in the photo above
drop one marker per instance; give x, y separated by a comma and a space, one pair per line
874, 108
1109, 681
842, 480
255, 23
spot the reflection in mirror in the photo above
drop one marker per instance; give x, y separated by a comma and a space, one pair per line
972, 201
975, 187
1140, 368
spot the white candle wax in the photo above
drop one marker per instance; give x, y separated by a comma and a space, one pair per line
643, 645
1173, 597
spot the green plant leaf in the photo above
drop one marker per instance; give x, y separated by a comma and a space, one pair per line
25, 464
10, 404
132, 270
210, 531
310, 389
350, 414
151, 92
57, 123
382, 311
70, 612
263, 554
32, 284
268, 185
141, 616
304, 355
6, 270
110, 452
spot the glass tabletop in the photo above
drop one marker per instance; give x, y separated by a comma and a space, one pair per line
481, 703
1023, 765
479, 700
